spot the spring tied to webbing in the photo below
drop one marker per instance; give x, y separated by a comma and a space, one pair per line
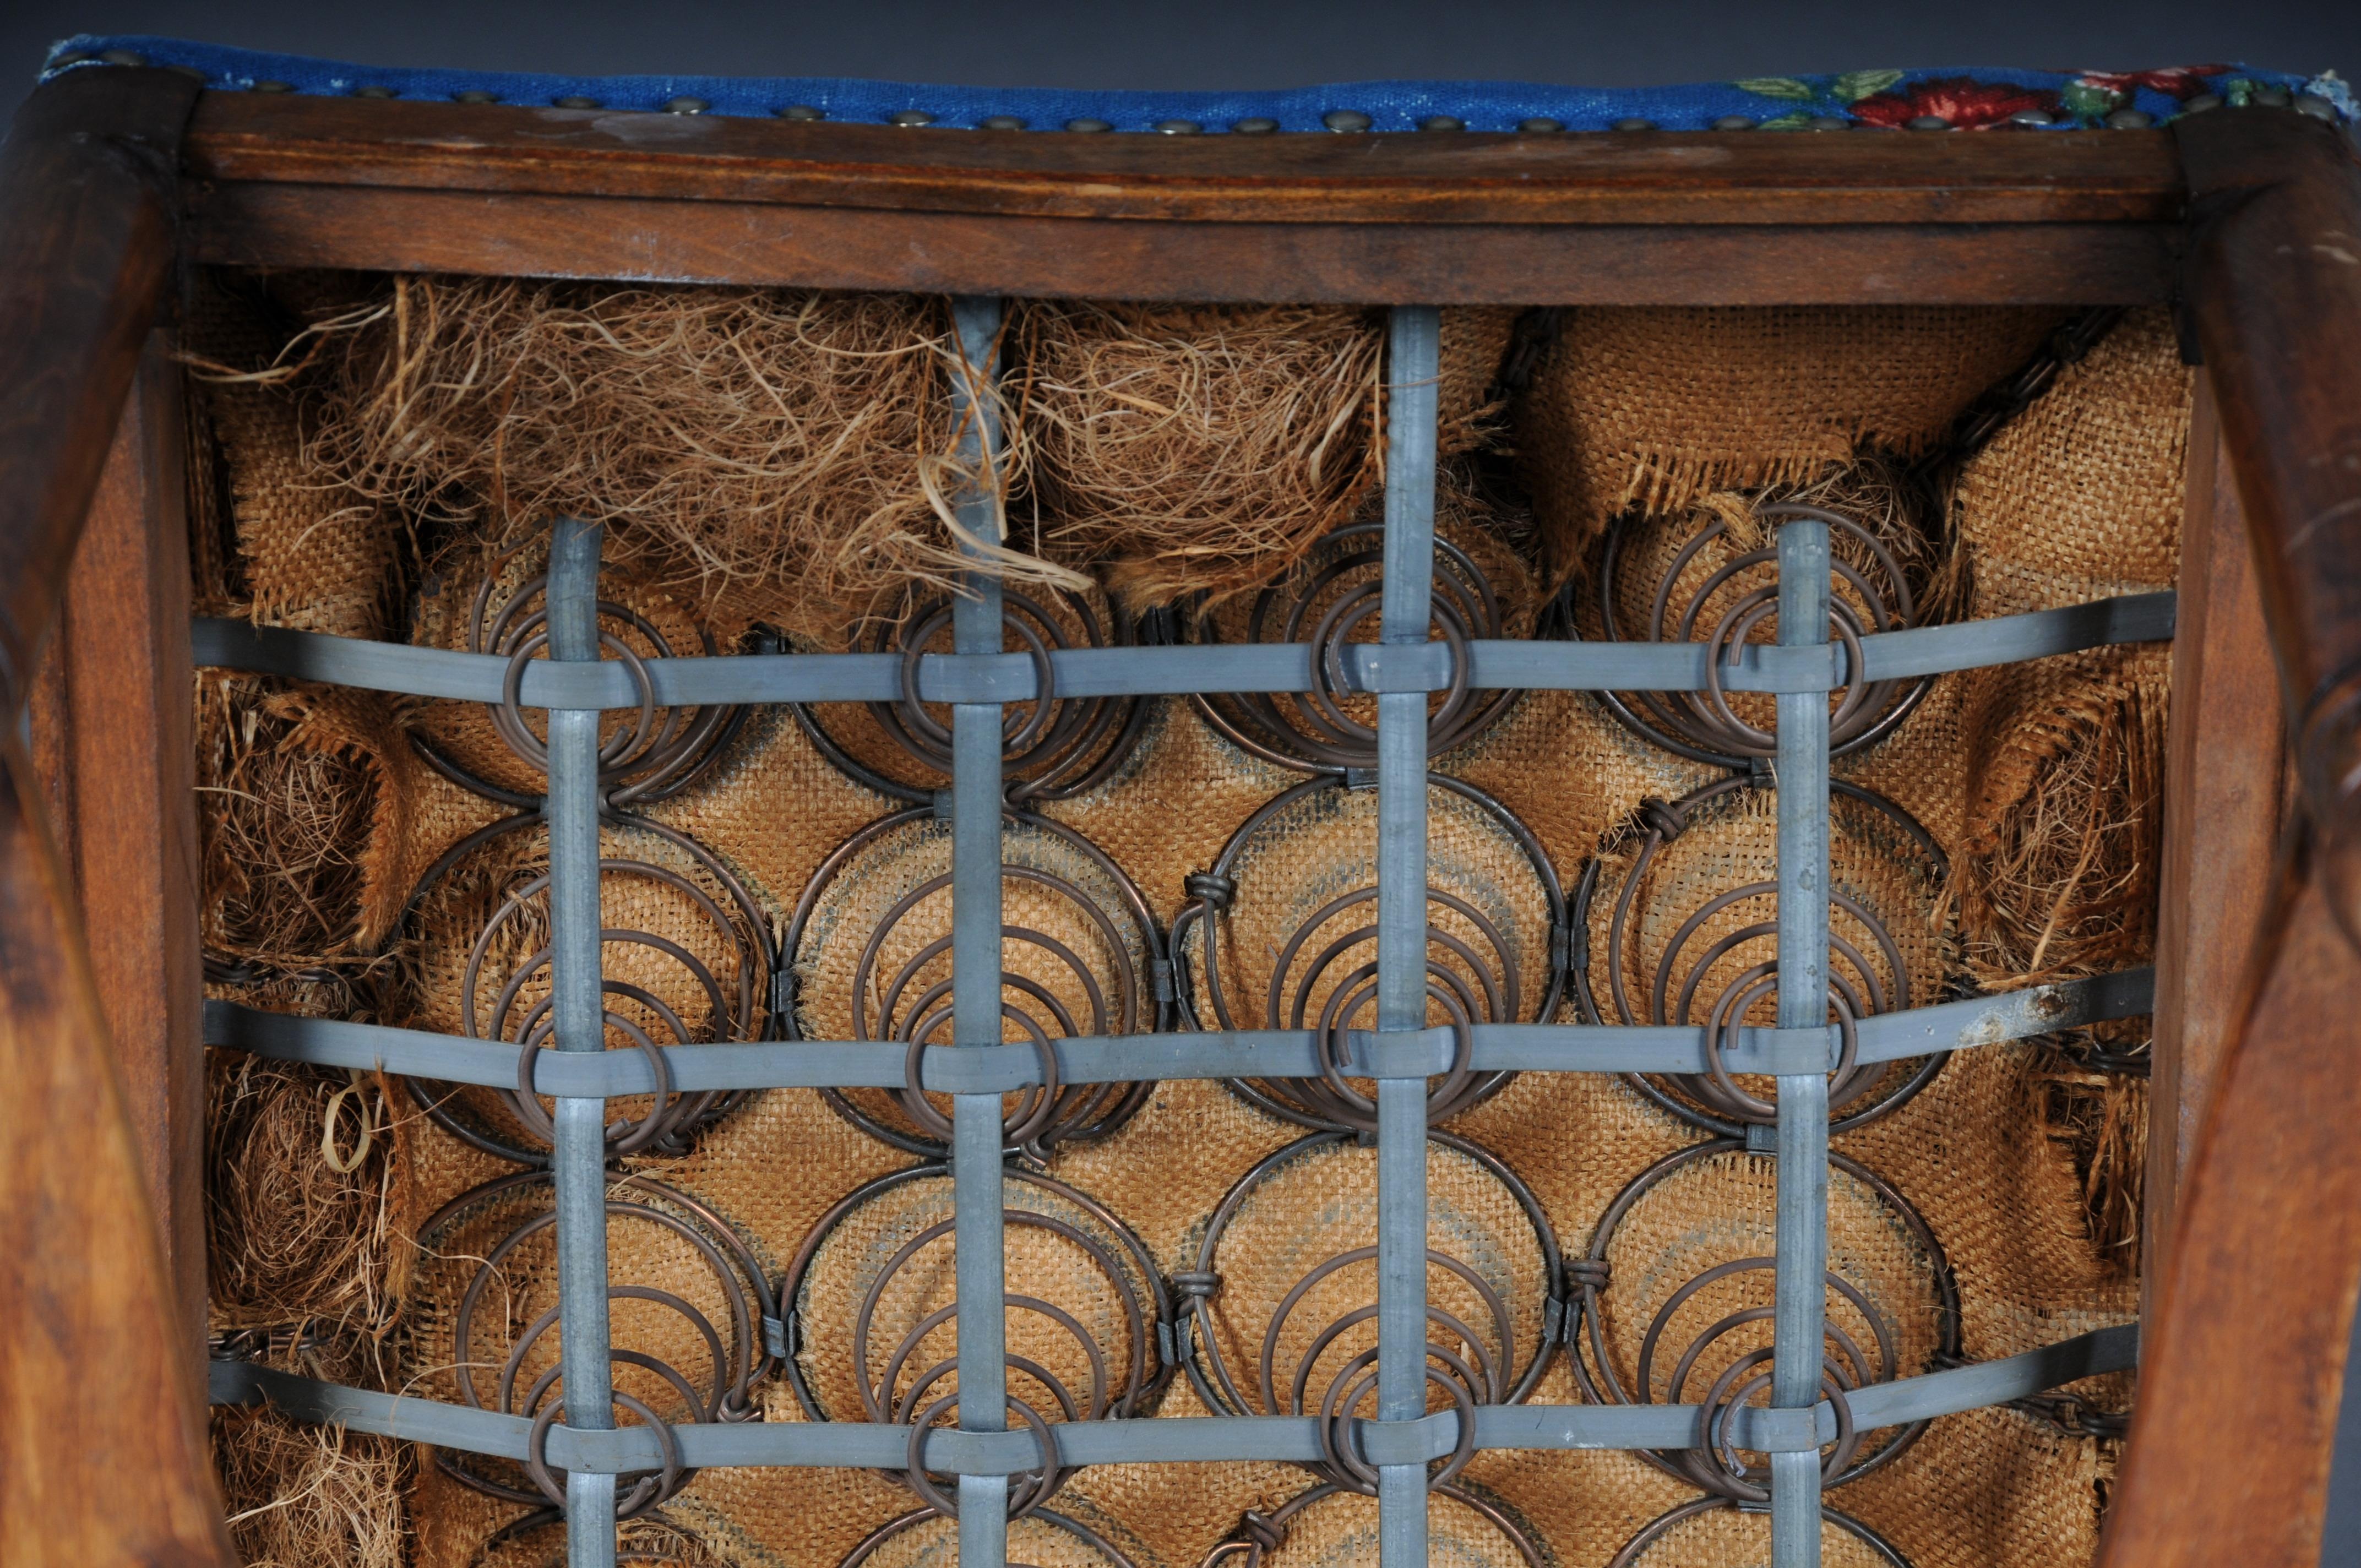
1259, 1535
651, 1538
894, 1528
1052, 747
1867, 974
1315, 731
646, 760
1717, 1464
1473, 1361
738, 1359
1875, 596
1473, 973
912, 1002
907, 1389
643, 761
1634, 1553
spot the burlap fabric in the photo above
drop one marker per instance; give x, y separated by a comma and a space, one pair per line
311, 552
2080, 499
1652, 408
2005, 1202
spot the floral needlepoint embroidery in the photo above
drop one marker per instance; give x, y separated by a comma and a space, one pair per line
2177, 81
1961, 102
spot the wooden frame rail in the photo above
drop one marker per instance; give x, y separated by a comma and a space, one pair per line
111, 177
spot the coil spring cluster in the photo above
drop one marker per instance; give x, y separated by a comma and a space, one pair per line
901, 1385
1335, 947
737, 1349
653, 754
1052, 748
1869, 973
1718, 970
1314, 732
1706, 727
1259, 1534
648, 759
1473, 1362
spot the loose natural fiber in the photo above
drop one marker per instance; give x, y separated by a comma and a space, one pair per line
1652, 408
1203, 449
298, 1169
2058, 865
301, 1495
2064, 881
309, 790
2100, 1118
779, 456
311, 552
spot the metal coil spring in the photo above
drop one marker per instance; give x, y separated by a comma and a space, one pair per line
1715, 1466
1050, 1113
930, 1395
646, 761
876, 1540
1260, 1534
739, 1359
1666, 1523
1052, 748
1704, 726
1470, 1366
653, 1537
1311, 731
1467, 992
1714, 1101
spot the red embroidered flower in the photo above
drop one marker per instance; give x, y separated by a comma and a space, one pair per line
2181, 83
1960, 102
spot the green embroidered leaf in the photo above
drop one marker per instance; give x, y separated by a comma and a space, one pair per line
2083, 99
1775, 87
1855, 85
1794, 120
2239, 91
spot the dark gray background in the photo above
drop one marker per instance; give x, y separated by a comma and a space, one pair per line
1225, 43
1252, 43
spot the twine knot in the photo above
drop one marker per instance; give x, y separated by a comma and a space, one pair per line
1588, 1273
1212, 889
1663, 818
1266, 1536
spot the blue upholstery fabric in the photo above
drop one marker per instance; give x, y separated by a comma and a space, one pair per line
1967, 98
